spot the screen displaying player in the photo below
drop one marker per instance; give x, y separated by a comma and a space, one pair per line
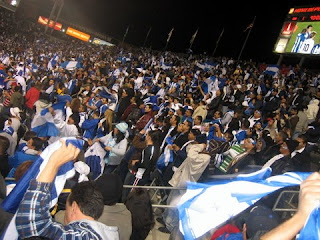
304, 38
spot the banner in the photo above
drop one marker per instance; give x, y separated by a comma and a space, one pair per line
98, 41
44, 21
77, 34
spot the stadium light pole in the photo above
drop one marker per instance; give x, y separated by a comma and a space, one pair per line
245, 42
61, 2
51, 15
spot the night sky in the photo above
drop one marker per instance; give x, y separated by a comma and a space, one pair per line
112, 17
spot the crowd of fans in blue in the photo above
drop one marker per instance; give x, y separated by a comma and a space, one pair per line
146, 114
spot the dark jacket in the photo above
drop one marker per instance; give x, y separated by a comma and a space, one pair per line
282, 165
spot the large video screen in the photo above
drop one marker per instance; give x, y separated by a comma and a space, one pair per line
305, 38
300, 33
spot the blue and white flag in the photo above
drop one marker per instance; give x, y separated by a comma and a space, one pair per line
71, 65
53, 62
43, 123
206, 66
166, 157
272, 70
221, 200
94, 158
66, 171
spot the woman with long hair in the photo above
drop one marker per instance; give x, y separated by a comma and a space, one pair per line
115, 145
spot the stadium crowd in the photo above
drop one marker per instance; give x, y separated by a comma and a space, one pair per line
143, 115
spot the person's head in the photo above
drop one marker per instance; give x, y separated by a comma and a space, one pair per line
35, 143
75, 105
280, 137
193, 134
260, 145
148, 108
228, 136
22, 169
245, 124
28, 135
294, 111
84, 202
198, 120
201, 139
288, 146
181, 111
302, 139
153, 136
187, 125
133, 100
174, 120
217, 114
309, 28
257, 114
82, 108
74, 119
260, 219
249, 143
139, 204
189, 112
110, 185
4, 145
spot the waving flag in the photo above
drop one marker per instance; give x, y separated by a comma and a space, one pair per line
193, 37
71, 65
166, 157
226, 198
169, 35
272, 70
94, 158
43, 124
66, 171
53, 62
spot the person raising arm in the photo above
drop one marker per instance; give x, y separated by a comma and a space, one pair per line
309, 197
83, 206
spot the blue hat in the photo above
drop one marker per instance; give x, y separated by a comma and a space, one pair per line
122, 127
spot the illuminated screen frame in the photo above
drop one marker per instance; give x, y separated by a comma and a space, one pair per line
44, 21
78, 34
293, 40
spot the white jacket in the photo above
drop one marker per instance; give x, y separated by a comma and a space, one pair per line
313, 109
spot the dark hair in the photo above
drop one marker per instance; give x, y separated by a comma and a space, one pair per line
199, 117
283, 135
139, 204
183, 111
88, 198
119, 137
155, 136
4, 145
22, 169
195, 132
245, 123
304, 138
29, 134
37, 143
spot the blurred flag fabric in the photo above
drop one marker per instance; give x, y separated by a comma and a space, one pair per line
170, 34
66, 171
193, 37
272, 70
222, 199
71, 65
53, 62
